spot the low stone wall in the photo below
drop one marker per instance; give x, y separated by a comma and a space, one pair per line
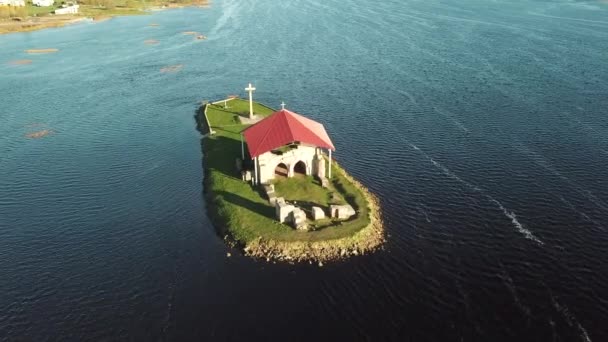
211, 132
364, 241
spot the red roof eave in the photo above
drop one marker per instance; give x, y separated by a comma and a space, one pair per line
282, 128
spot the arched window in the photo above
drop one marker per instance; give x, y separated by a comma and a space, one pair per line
281, 170
299, 168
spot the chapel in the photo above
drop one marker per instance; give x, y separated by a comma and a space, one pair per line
287, 144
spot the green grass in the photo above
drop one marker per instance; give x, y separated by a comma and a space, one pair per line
220, 116
239, 209
306, 189
36, 11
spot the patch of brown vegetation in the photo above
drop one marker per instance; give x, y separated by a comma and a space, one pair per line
201, 37
172, 68
37, 23
39, 134
40, 51
151, 42
20, 62
190, 32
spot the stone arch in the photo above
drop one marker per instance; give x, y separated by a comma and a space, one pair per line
300, 168
281, 170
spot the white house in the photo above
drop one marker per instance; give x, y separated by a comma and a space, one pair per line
286, 144
16, 3
43, 3
72, 9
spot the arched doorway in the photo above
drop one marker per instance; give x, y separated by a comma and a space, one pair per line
299, 168
281, 170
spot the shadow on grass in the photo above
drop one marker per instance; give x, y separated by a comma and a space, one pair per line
201, 123
221, 128
221, 155
220, 151
307, 206
348, 197
240, 201
225, 110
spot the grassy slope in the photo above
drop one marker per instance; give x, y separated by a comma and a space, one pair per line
245, 213
304, 189
39, 11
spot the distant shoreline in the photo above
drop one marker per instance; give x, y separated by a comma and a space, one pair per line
88, 13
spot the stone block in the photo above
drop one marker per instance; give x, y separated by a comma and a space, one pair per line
344, 211
269, 190
324, 182
317, 213
282, 209
246, 176
297, 218
272, 198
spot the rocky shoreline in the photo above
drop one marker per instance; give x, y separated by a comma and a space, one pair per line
365, 241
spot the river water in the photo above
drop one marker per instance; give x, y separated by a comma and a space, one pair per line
481, 126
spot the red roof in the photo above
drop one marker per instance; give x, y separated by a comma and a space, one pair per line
282, 128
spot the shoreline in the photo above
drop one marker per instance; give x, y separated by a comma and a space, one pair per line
362, 241
38, 23
35, 23
367, 240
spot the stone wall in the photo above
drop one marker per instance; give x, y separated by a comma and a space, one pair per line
268, 161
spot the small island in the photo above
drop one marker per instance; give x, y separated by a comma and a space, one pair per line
274, 190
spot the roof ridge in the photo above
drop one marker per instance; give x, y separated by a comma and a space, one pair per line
285, 127
272, 117
290, 124
314, 127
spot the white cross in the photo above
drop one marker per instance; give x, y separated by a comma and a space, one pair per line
282, 105
250, 89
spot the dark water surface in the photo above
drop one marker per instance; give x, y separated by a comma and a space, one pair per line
481, 125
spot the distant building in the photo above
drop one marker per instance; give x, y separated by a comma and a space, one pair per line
71, 9
16, 3
43, 3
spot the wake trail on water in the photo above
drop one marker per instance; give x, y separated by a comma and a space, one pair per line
442, 112
582, 213
426, 216
466, 298
451, 117
570, 319
588, 129
509, 214
468, 20
539, 160
573, 19
229, 9
173, 284
510, 285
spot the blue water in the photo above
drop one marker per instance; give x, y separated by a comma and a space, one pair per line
481, 126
